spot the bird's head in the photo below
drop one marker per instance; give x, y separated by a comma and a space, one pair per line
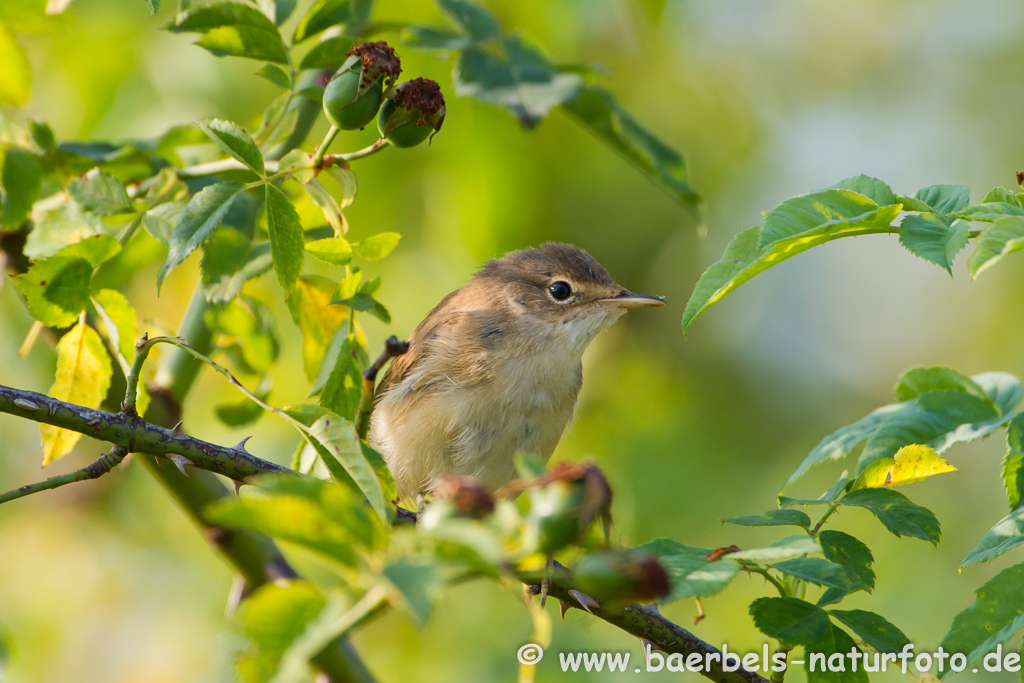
560, 290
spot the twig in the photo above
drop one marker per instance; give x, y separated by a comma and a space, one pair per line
392, 349
134, 433
647, 623
97, 468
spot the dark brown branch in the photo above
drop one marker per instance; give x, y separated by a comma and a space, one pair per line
392, 349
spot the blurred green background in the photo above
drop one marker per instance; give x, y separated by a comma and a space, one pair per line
106, 581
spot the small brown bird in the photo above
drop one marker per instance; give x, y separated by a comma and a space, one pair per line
495, 368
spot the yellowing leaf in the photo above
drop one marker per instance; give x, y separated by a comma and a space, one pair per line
311, 309
83, 377
911, 463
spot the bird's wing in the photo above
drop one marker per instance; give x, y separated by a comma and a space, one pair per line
419, 342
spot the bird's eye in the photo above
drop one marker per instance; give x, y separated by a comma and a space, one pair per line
560, 290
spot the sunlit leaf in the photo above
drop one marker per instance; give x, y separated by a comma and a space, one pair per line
311, 309
319, 195
825, 212
917, 381
338, 437
1004, 236
934, 237
286, 237
251, 329
912, 463
994, 618
344, 383
896, 512
244, 41
377, 246
20, 178
872, 188
202, 214
790, 620
83, 377
159, 221
334, 250
115, 310
233, 140
59, 227
100, 193
989, 211
56, 290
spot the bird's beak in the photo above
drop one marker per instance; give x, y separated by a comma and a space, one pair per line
631, 300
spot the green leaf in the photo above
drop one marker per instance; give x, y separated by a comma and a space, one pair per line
1004, 196
56, 290
14, 86
59, 227
287, 240
233, 140
252, 327
793, 227
275, 75
790, 546
319, 195
917, 381
853, 556
271, 618
244, 41
470, 19
334, 250
994, 618
896, 512
240, 413
664, 547
694, 577
790, 620
934, 237
159, 221
202, 214
872, 188
873, 629
1008, 533
944, 198
277, 11
824, 213
119, 320
773, 518
343, 385
836, 645
989, 211
322, 15
338, 437
205, 17
100, 193
1004, 236
433, 38
826, 498
83, 377
229, 260
523, 82
311, 309
318, 515
814, 570
599, 112
378, 246
1013, 461
20, 177
327, 54
418, 586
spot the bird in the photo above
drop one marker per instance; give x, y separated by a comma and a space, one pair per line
495, 369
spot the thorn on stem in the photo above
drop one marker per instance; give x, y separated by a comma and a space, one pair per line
586, 602
180, 461
176, 429
240, 446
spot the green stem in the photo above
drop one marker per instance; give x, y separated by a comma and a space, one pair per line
364, 152
133, 227
318, 159
828, 513
97, 468
780, 676
761, 571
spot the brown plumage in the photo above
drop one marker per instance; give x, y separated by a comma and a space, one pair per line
495, 368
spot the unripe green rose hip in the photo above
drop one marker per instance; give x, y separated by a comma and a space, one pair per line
621, 575
353, 95
413, 113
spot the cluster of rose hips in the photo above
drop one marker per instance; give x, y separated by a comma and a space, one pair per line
409, 112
